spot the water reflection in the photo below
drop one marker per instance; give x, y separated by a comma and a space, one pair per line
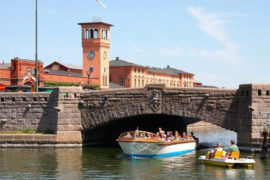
106, 163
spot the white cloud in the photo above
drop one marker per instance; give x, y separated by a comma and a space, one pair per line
212, 25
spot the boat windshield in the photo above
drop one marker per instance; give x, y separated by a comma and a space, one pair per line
127, 135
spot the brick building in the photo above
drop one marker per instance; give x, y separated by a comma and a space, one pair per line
96, 67
130, 75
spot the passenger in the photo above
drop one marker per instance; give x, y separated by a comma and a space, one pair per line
184, 136
218, 148
233, 147
160, 131
163, 137
189, 136
177, 136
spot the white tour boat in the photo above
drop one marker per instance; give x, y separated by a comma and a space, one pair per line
146, 144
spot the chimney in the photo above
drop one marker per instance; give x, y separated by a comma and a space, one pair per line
117, 58
168, 66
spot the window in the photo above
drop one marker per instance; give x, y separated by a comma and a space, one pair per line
139, 82
135, 82
95, 34
142, 82
135, 70
29, 71
267, 93
91, 33
104, 33
86, 34
121, 81
259, 92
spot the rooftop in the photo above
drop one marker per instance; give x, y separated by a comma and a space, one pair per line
63, 73
119, 62
5, 65
71, 66
167, 70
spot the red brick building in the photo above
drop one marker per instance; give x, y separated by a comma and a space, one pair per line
96, 68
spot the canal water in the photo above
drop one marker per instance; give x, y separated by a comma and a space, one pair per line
109, 163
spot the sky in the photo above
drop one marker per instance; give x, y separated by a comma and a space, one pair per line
223, 42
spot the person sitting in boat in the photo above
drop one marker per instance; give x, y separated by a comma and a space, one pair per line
163, 137
190, 137
218, 148
169, 136
233, 147
177, 136
160, 131
184, 135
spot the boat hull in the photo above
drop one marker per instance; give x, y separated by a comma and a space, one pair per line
228, 162
155, 149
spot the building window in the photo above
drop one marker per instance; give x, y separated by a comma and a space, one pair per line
259, 92
104, 34
267, 93
121, 81
135, 70
86, 34
95, 34
135, 82
91, 33
142, 82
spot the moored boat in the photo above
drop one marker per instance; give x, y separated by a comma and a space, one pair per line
146, 144
231, 161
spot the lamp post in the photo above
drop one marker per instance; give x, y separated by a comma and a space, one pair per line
36, 47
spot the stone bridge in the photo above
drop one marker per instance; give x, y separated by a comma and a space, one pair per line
69, 111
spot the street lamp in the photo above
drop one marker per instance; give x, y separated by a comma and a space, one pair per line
36, 47
91, 69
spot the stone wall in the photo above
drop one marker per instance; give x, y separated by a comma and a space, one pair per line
260, 106
216, 106
20, 111
56, 113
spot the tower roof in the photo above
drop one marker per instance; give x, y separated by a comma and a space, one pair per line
94, 23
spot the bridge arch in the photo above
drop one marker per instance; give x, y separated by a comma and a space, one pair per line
99, 109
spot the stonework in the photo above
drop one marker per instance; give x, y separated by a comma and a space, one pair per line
69, 110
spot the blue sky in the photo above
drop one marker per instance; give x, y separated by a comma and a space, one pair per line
224, 43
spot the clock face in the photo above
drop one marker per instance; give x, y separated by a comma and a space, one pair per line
91, 55
104, 54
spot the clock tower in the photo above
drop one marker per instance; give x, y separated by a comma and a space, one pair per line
96, 46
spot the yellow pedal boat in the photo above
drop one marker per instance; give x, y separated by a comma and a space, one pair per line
230, 161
